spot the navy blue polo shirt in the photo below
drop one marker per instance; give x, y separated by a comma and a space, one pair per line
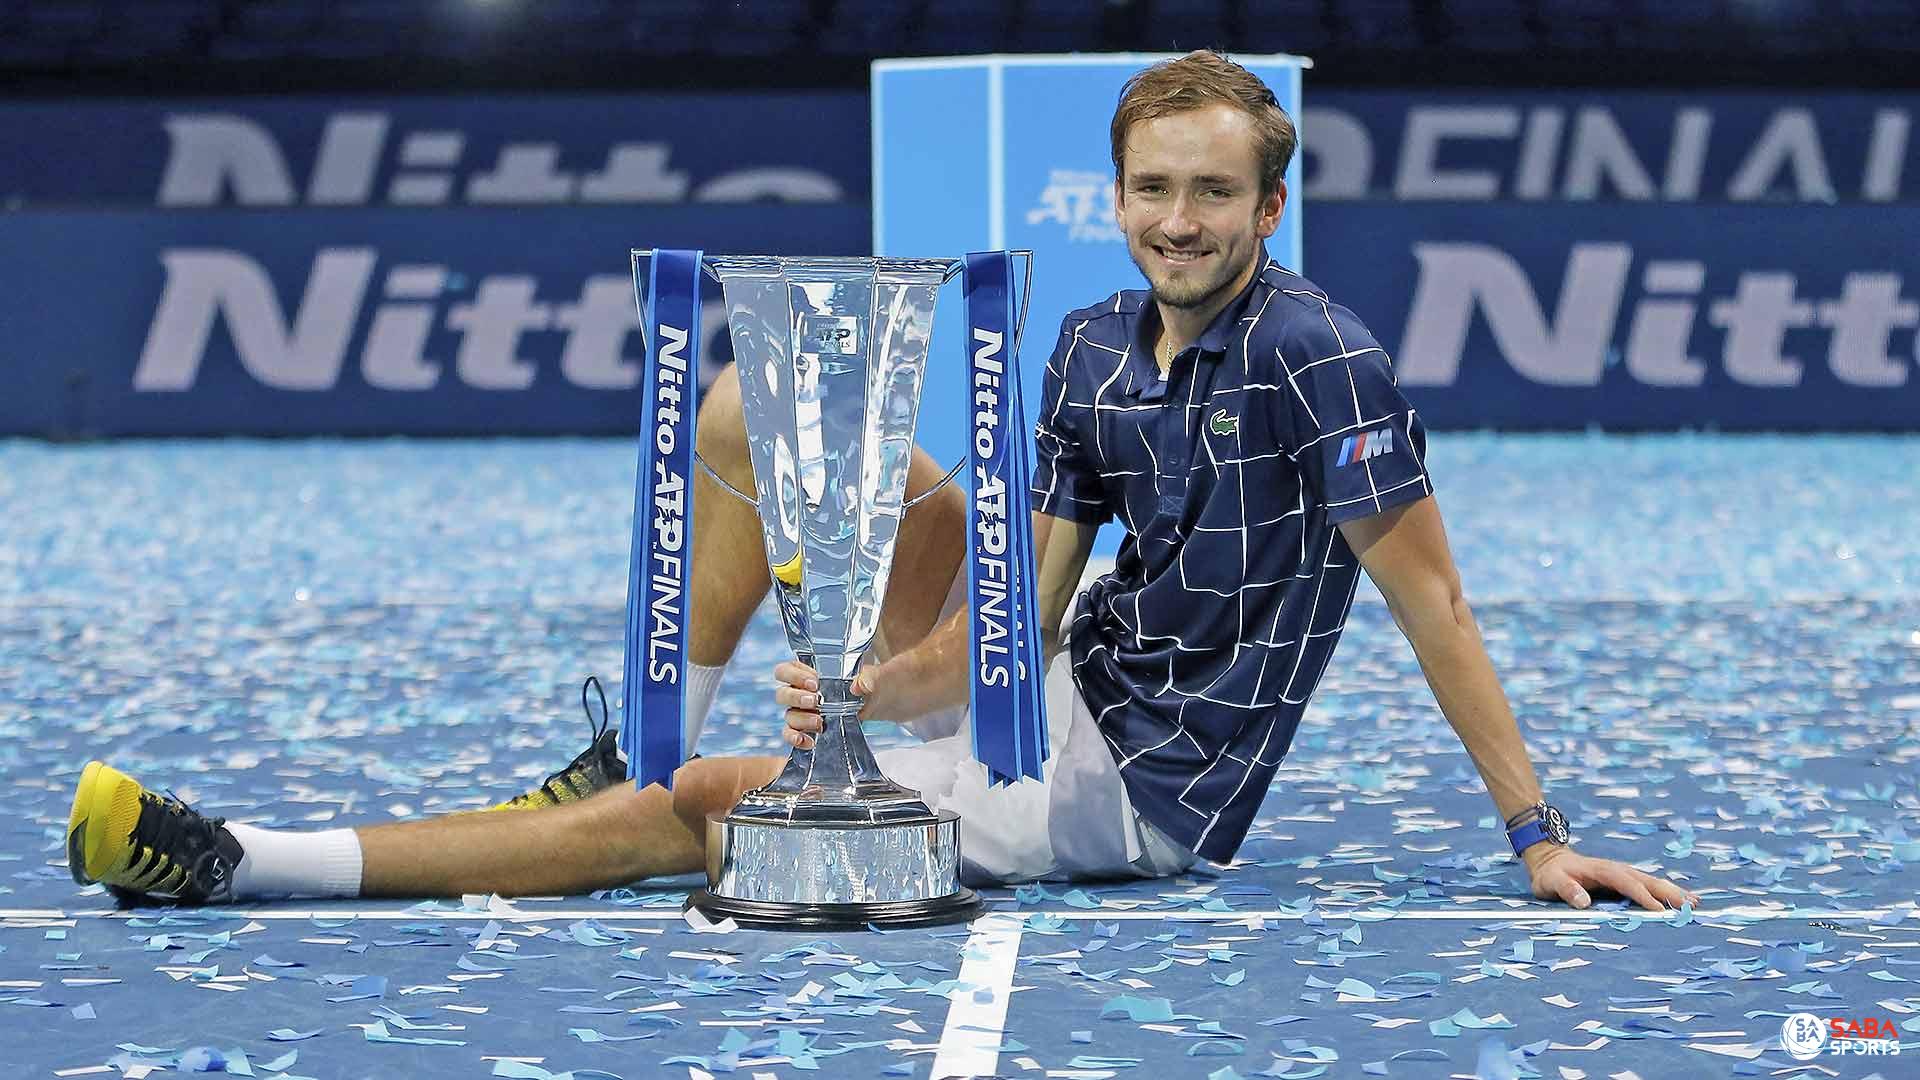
1198, 652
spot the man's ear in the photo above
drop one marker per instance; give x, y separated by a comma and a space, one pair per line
1268, 220
1119, 198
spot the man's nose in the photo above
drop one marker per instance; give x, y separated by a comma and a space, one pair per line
1179, 221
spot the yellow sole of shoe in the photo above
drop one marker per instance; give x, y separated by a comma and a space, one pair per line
101, 787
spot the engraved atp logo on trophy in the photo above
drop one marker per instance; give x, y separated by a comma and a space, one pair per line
837, 335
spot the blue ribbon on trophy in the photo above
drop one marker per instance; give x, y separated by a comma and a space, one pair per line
1008, 703
653, 694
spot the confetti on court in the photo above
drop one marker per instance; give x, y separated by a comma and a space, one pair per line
1734, 707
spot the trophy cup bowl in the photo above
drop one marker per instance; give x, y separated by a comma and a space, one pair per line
831, 354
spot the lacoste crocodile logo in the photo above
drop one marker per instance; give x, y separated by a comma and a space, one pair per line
1223, 424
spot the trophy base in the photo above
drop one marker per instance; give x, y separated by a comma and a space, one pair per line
778, 872
962, 906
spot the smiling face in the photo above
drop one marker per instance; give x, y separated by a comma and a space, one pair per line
1189, 203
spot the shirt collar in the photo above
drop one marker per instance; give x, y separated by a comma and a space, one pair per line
1214, 339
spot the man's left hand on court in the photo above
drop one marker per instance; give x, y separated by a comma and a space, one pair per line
1561, 873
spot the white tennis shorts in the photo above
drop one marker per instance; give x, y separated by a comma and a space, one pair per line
1076, 823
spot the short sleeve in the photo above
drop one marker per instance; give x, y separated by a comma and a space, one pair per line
1360, 445
1066, 480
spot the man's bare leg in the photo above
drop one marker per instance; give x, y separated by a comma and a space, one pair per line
614, 838
730, 560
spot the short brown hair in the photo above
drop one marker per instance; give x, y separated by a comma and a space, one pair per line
1201, 78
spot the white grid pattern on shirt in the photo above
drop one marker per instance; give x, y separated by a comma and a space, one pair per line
1091, 357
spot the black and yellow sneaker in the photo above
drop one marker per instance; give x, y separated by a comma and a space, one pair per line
146, 846
597, 768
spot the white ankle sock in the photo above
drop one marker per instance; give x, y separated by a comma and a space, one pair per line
276, 863
702, 684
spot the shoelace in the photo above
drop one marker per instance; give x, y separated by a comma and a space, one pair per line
599, 727
157, 836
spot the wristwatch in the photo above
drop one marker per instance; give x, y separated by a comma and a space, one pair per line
1536, 823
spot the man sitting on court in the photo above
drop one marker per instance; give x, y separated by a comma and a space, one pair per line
1245, 429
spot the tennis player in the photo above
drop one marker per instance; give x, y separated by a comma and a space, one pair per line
1243, 427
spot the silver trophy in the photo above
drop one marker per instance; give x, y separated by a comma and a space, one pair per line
831, 354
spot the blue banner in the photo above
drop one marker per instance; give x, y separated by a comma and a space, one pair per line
427, 152
1749, 270
352, 322
815, 146
1584, 146
1008, 710
654, 692
1644, 317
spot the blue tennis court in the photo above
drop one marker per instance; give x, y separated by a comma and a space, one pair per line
1711, 641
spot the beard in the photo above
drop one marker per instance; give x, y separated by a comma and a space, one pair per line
1185, 289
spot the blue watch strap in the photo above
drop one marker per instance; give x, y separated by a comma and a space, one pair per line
1528, 835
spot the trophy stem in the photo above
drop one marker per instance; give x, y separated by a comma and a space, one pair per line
837, 779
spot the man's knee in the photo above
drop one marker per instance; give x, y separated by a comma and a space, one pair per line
706, 786
722, 435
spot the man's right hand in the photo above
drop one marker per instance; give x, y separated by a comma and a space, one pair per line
798, 690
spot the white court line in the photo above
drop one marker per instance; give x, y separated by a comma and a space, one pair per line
1532, 914
970, 1043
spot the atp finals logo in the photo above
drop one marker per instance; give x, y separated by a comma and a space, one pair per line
1080, 200
1367, 444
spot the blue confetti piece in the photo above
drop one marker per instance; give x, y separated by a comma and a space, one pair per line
1139, 1010
290, 1035
364, 988
1495, 1063
283, 1062
589, 933
202, 1059
589, 1035
1216, 1048
84, 1012
377, 1032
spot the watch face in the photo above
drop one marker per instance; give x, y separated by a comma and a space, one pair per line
1556, 823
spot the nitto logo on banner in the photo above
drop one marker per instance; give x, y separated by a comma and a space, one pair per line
207, 288
214, 156
1573, 349
1080, 200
